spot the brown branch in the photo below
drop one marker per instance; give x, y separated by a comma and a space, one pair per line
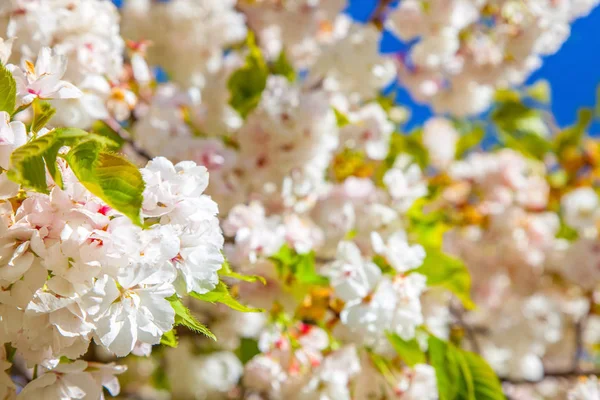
126, 136
578, 345
552, 374
378, 16
470, 332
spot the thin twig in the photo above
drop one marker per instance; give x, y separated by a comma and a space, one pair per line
578, 345
471, 335
552, 374
378, 16
126, 136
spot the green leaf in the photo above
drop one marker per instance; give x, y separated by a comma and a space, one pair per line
342, 120
486, 385
247, 83
184, 317
448, 272
410, 144
540, 91
247, 350
566, 232
109, 176
462, 375
8, 90
296, 267
227, 272
169, 339
572, 135
507, 95
42, 113
29, 162
103, 129
428, 228
528, 144
282, 66
469, 140
222, 295
514, 118
409, 351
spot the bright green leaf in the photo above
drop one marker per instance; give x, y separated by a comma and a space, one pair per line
184, 317
282, 66
109, 176
296, 267
515, 118
409, 351
540, 91
103, 129
342, 120
462, 375
448, 272
42, 113
469, 140
528, 144
8, 90
572, 135
169, 339
507, 95
227, 272
247, 83
222, 295
427, 228
29, 162
486, 385
566, 232
410, 144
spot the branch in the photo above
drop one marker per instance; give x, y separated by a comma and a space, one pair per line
378, 17
552, 374
471, 335
578, 345
126, 136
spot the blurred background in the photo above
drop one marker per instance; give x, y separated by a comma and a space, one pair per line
573, 72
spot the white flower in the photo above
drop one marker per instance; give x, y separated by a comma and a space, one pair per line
44, 79
255, 234
198, 32
134, 310
350, 275
12, 135
352, 63
5, 50
587, 388
581, 208
370, 130
263, 373
220, 371
440, 138
398, 253
419, 383
405, 182
175, 191
66, 381
330, 381
393, 306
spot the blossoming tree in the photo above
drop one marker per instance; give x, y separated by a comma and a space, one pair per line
213, 199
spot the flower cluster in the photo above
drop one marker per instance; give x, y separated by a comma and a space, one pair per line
80, 262
461, 50
386, 265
